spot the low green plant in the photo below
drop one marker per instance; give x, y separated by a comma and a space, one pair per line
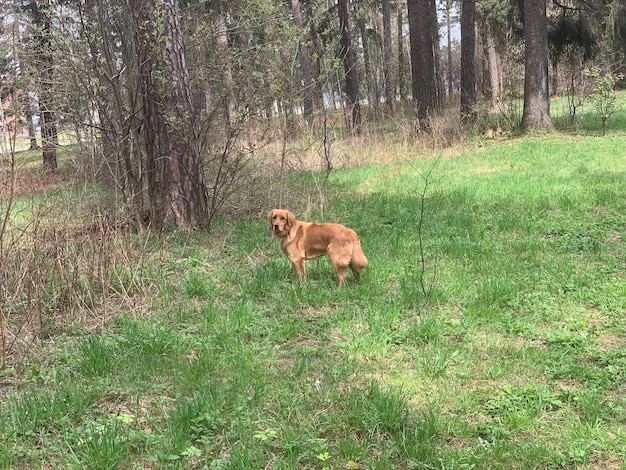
104, 444
96, 355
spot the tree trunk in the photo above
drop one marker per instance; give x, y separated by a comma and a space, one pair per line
440, 90
468, 68
449, 40
536, 113
32, 136
372, 89
45, 67
230, 102
176, 184
494, 71
422, 62
387, 58
306, 66
349, 64
402, 91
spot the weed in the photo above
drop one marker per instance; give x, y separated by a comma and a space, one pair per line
97, 356
103, 444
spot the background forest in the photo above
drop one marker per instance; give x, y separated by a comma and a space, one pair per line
147, 318
223, 88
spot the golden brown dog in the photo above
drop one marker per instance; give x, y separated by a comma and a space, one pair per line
305, 240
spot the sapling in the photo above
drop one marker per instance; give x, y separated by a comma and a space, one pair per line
603, 96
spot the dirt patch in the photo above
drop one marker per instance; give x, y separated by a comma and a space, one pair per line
609, 343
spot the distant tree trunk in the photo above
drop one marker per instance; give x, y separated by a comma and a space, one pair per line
349, 64
494, 70
230, 102
306, 66
440, 91
176, 184
536, 113
32, 137
318, 93
402, 91
422, 62
40, 14
387, 57
449, 40
468, 68
372, 89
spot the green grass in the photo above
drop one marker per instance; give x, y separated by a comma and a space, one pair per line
515, 358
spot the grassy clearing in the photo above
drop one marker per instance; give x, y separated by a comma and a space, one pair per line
516, 358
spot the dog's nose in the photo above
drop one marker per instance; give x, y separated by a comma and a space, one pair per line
276, 228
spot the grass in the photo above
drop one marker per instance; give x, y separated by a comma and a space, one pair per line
516, 358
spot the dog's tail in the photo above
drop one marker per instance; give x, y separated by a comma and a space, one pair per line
358, 261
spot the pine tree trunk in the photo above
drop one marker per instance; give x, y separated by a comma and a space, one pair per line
401, 60
349, 65
387, 57
45, 68
536, 113
422, 62
468, 69
494, 71
449, 41
306, 66
372, 89
176, 184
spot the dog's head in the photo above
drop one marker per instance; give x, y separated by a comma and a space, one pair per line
281, 221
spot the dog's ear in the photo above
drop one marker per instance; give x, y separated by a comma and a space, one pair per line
270, 215
291, 219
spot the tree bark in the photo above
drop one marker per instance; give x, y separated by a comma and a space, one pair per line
40, 14
306, 67
401, 60
494, 70
422, 62
230, 102
449, 40
176, 184
349, 64
468, 67
372, 89
387, 58
536, 113
440, 89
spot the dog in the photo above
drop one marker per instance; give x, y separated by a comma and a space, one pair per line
300, 241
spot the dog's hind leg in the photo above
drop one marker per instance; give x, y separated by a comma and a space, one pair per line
340, 268
356, 273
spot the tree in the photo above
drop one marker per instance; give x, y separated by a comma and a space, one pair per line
468, 69
493, 20
40, 14
448, 17
536, 114
387, 54
421, 21
402, 88
349, 65
306, 65
372, 87
176, 185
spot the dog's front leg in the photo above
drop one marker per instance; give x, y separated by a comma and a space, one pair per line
298, 266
